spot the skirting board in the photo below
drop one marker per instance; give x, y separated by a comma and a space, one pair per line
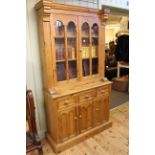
77, 139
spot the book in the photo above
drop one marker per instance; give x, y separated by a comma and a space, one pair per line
69, 53
83, 52
87, 52
73, 53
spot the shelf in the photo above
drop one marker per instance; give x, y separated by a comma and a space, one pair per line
60, 37
96, 37
95, 57
60, 60
71, 37
71, 59
85, 58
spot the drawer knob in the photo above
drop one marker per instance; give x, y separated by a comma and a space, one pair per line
87, 96
66, 103
75, 118
102, 91
97, 109
80, 116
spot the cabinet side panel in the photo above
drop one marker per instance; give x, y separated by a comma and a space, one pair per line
45, 50
101, 50
50, 116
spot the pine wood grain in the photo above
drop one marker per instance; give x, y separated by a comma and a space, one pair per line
113, 141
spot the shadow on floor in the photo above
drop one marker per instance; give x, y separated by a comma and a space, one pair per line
118, 98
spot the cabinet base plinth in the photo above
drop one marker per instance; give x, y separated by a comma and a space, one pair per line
77, 139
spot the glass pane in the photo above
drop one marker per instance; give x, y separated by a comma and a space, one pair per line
85, 65
60, 51
85, 50
61, 71
72, 69
59, 41
95, 66
71, 44
85, 40
94, 30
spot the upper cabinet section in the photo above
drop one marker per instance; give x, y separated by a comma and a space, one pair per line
72, 43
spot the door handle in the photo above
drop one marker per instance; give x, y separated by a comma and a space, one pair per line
80, 116
97, 109
75, 118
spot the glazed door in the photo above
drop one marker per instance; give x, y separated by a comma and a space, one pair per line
65, 47
85, 114
89, 46
67, 124
101, 110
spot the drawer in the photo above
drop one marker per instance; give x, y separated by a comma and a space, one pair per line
87, 95
102, 90
65, 102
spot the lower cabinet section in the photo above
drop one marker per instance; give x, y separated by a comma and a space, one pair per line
80, 114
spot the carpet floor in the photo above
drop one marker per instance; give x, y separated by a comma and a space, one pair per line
118, 98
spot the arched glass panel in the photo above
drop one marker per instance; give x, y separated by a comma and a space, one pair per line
60, 51
85, 50
71, 46
94, 32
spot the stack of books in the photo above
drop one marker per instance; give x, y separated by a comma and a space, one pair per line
85, 52
71, 53
60, 54
94, 51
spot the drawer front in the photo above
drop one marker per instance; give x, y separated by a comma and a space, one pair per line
103, 91
65, 102
87, 95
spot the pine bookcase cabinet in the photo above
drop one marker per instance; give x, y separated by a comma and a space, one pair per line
72, 49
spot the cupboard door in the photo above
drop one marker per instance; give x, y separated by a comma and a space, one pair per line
85, 115
89, 45
101, 110
67, 124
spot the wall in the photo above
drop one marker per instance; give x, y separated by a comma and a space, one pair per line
123, 4
33, 66
110, 32
112, 29
85, 3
